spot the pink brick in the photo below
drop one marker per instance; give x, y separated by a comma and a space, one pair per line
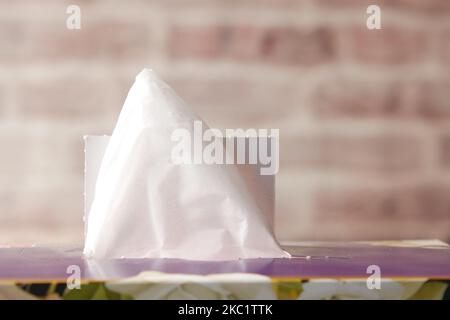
444, 146
409, 6
47, 216
362, 153
236, 102
277, 45
72, 97
3, 105
33, 40
344, 97
432, 6
444, 47
40, 153
389, 45
381, 229
424, 201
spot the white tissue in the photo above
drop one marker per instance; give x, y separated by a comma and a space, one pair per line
145, 206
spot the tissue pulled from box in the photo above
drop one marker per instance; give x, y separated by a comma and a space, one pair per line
147, 206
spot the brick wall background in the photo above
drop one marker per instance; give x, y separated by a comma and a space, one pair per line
364, 116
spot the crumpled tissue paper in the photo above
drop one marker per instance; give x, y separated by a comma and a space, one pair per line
146, 206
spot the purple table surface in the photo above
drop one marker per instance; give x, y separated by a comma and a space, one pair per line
310, 260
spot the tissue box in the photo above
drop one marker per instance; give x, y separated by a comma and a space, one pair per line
319, 270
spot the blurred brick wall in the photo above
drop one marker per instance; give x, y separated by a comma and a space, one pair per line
364, 116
